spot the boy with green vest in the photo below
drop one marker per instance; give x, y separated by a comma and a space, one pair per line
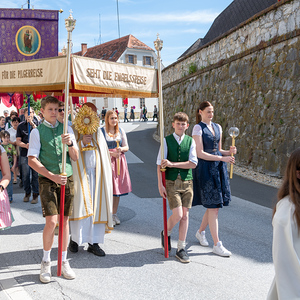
45, 157
180, 158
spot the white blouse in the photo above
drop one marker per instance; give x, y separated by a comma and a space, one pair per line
121, 135
197, 130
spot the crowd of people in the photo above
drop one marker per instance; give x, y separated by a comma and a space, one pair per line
97, 175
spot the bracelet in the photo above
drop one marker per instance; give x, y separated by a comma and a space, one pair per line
71, 145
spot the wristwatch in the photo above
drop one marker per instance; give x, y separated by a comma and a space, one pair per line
2, 188
71, 145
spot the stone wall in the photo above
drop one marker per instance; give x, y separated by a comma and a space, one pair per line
252, 77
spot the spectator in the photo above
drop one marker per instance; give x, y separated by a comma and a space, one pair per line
155, 113
2, 123
103, 113
29, 182
125, 114
145, 113
61, 113
12, 159
21, 115
132, 113
8, 124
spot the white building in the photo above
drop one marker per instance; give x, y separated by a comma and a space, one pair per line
127, 50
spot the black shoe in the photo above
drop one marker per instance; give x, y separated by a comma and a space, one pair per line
95, 249
20, 184
163, 241
182, 256
73, 246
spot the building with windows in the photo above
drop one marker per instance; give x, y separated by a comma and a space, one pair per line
128, 50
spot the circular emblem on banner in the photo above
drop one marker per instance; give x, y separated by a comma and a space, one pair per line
28, 40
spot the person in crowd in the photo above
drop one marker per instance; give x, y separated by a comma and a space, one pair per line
29, 176
45, 156
286, 234
103, 113
120, 174
40, 116
6, 116
145, 111
6, 217
179, 159
2, 123
141, 114
211, 181
93, 190
155, 113
13, 140
22, 115
132, 114
116, 111
13, 114
61, 113
125, 114
12, 159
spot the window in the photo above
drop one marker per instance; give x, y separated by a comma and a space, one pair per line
113, 54
148, 60
105, 102
131, 59
142, 102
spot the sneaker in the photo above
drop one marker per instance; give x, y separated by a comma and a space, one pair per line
26, 197
35, 198
201, 238
221, 250
73, 246
66, 270
116, 220
45, 274
95, 249
182, 256
163, 241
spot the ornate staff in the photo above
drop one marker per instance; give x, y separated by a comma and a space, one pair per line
118, 159
70, 25
158, 44
233, 132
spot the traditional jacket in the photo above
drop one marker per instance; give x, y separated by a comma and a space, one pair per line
84, 206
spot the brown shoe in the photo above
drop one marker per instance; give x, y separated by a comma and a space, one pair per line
35, 198
26, 197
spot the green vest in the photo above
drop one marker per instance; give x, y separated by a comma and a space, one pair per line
51, 149
177, 153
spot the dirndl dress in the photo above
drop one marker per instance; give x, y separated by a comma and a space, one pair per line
6, 217
210, 178
122, 182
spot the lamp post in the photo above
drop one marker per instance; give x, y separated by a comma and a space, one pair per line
158, 44
70, 25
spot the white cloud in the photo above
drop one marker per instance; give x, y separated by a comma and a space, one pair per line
175, 17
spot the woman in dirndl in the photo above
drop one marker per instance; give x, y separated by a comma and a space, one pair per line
210, 178
6, 217
121, 182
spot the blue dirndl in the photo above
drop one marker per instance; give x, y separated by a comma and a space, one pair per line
210, 178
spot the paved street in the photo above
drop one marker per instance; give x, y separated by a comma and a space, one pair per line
135, 266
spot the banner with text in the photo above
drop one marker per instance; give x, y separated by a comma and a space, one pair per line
33, 75
113, 78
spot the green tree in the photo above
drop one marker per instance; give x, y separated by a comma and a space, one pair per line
35, 105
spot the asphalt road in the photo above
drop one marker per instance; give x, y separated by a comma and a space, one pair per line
143, 175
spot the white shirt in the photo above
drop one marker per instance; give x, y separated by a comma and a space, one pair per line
35, 144
13, 134
192, 155
197, 130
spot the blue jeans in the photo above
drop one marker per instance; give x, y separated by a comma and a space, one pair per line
29, 177
9, 188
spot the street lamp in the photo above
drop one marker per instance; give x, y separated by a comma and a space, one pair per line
70, 25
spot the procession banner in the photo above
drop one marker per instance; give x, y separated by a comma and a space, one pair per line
112, 78
33, 75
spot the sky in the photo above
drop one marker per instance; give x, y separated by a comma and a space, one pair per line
179, 23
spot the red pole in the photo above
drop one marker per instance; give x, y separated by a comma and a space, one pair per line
61, 226
163, 174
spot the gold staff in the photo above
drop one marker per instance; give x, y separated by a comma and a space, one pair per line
233, 132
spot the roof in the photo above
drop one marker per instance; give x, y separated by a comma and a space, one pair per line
236, 13
112, 50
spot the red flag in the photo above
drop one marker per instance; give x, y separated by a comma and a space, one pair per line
18, 100
125, 101
6, 99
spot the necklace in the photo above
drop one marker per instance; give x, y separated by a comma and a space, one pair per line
112, 135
